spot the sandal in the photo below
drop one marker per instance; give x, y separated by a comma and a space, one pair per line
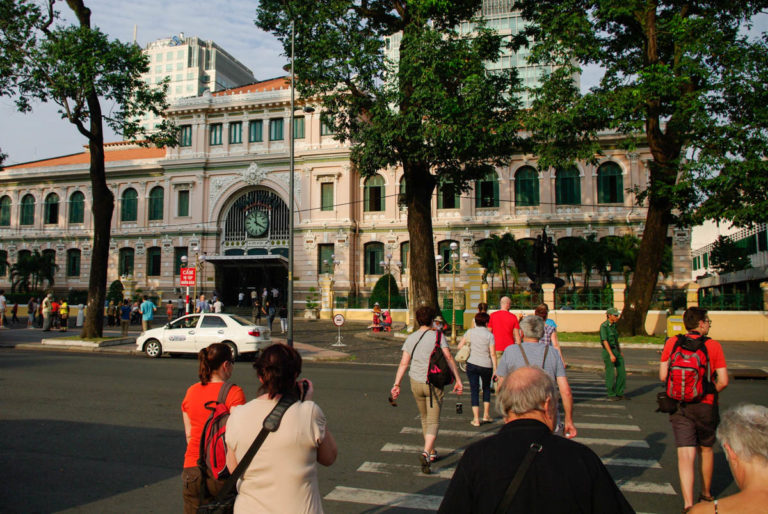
424, 459
474, 423
704, 498
487, 420
433, 456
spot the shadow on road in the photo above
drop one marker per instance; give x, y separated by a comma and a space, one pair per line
51, 465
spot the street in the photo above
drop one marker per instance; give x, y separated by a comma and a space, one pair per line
103, 433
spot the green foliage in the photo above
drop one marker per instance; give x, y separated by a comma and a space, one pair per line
680, 77
384, 289
115, 292
33, 272
727, 256
504, 254
312, 299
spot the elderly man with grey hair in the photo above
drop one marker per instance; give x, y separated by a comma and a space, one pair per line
743, 433
553, 474
531, 352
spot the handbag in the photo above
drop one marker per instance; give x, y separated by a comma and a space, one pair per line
514, 485
666, 404
224, 502
463, 354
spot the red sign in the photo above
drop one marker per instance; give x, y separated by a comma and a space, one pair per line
188, 276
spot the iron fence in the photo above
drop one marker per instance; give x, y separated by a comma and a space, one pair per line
592, 299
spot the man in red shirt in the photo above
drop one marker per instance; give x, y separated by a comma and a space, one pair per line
504, 326
694, 424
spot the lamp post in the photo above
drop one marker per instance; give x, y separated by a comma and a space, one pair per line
199, 261
184, 260
454, 259
330, 270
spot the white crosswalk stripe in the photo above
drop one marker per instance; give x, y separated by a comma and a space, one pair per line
631, 463
622, 443
399, 469
630, 486
387, 498
608, 426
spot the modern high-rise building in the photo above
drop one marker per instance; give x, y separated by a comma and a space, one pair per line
192, 65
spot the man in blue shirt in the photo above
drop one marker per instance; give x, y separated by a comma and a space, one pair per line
147, 309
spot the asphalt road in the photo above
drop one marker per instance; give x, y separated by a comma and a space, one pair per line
103, 433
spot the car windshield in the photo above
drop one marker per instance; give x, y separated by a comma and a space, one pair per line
241, 320
185, 322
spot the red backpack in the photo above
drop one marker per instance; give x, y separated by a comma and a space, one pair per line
213, 447
688, 374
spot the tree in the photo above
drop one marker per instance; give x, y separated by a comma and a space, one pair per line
727, 256
75, 67
679, 77
32, 271
435, 112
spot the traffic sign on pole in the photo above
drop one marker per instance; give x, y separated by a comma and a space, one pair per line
188, 276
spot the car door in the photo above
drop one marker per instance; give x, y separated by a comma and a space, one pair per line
212, 329
180, 336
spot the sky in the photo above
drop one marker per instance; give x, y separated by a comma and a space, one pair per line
42, 133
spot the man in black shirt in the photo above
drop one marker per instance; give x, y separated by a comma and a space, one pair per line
564, 476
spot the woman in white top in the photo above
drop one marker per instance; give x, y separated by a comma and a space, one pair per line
282, 477
481, 365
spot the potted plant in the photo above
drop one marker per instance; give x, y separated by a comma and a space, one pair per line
312, 312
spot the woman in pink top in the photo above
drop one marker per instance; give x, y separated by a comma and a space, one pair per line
216, 365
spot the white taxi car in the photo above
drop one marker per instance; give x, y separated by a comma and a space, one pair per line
192, 333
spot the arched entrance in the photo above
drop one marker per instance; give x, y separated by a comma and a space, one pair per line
253, 246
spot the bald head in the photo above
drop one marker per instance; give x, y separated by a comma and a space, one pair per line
524, 391
505, 303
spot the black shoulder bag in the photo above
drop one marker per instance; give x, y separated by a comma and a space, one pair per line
514, 485
224, 502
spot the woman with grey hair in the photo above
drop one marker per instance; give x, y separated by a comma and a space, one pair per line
743, 433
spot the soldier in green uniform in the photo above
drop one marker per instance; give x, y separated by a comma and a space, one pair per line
615, 374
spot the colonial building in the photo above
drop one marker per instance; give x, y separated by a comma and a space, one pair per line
221, 197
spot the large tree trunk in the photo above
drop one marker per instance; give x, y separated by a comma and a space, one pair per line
418, 194
102, 203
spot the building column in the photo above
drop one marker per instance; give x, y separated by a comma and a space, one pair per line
619, 290
549, 294
474, 291
326, 297
691, 295
764, 288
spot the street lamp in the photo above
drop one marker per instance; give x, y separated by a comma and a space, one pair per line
454, 258
330, 269
199, 261
184, 260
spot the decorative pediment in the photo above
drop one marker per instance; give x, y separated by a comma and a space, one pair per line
254, 174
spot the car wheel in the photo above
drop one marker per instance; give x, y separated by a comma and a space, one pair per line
153, 348
233, 347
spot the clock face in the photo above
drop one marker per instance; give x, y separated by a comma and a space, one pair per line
256, 223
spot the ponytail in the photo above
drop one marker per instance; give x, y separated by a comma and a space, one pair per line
211, 359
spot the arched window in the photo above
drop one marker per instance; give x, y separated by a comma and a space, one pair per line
401, 192
155, 204
129, 206
153, 261
374, 194
448, 195
3, 263
76, 207
49, 257
51, 209
125, 262
568, 186
405, 251
374, 254
610, 183
444, 251
73, 263
487, 191
5, 211
27, 216
527, 186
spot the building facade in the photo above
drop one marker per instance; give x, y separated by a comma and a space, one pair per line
221, 197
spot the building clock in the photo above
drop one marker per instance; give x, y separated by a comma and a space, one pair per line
256, 223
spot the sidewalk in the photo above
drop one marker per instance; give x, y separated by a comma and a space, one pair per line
315, 341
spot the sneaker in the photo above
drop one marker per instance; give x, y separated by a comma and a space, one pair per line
425, 463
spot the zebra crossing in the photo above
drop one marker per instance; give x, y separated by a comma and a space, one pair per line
606, 427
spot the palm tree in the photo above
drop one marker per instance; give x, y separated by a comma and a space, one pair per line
32, 271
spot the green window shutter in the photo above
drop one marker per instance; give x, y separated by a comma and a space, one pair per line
405, 250
325, 256
255, 131
153, 262
129, 206
73, 263
51, 209
156, 197
3, 263
276, 129
183, 204
568, 187
298, 128
215, 134
178, 253
373, 197
185, 137
27, 210
5, 211
236, 132
495, 200
326, 196
374, 254
76, 207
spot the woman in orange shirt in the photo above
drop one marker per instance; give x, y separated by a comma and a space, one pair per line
216, 365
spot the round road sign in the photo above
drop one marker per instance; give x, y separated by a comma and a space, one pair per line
338, 320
